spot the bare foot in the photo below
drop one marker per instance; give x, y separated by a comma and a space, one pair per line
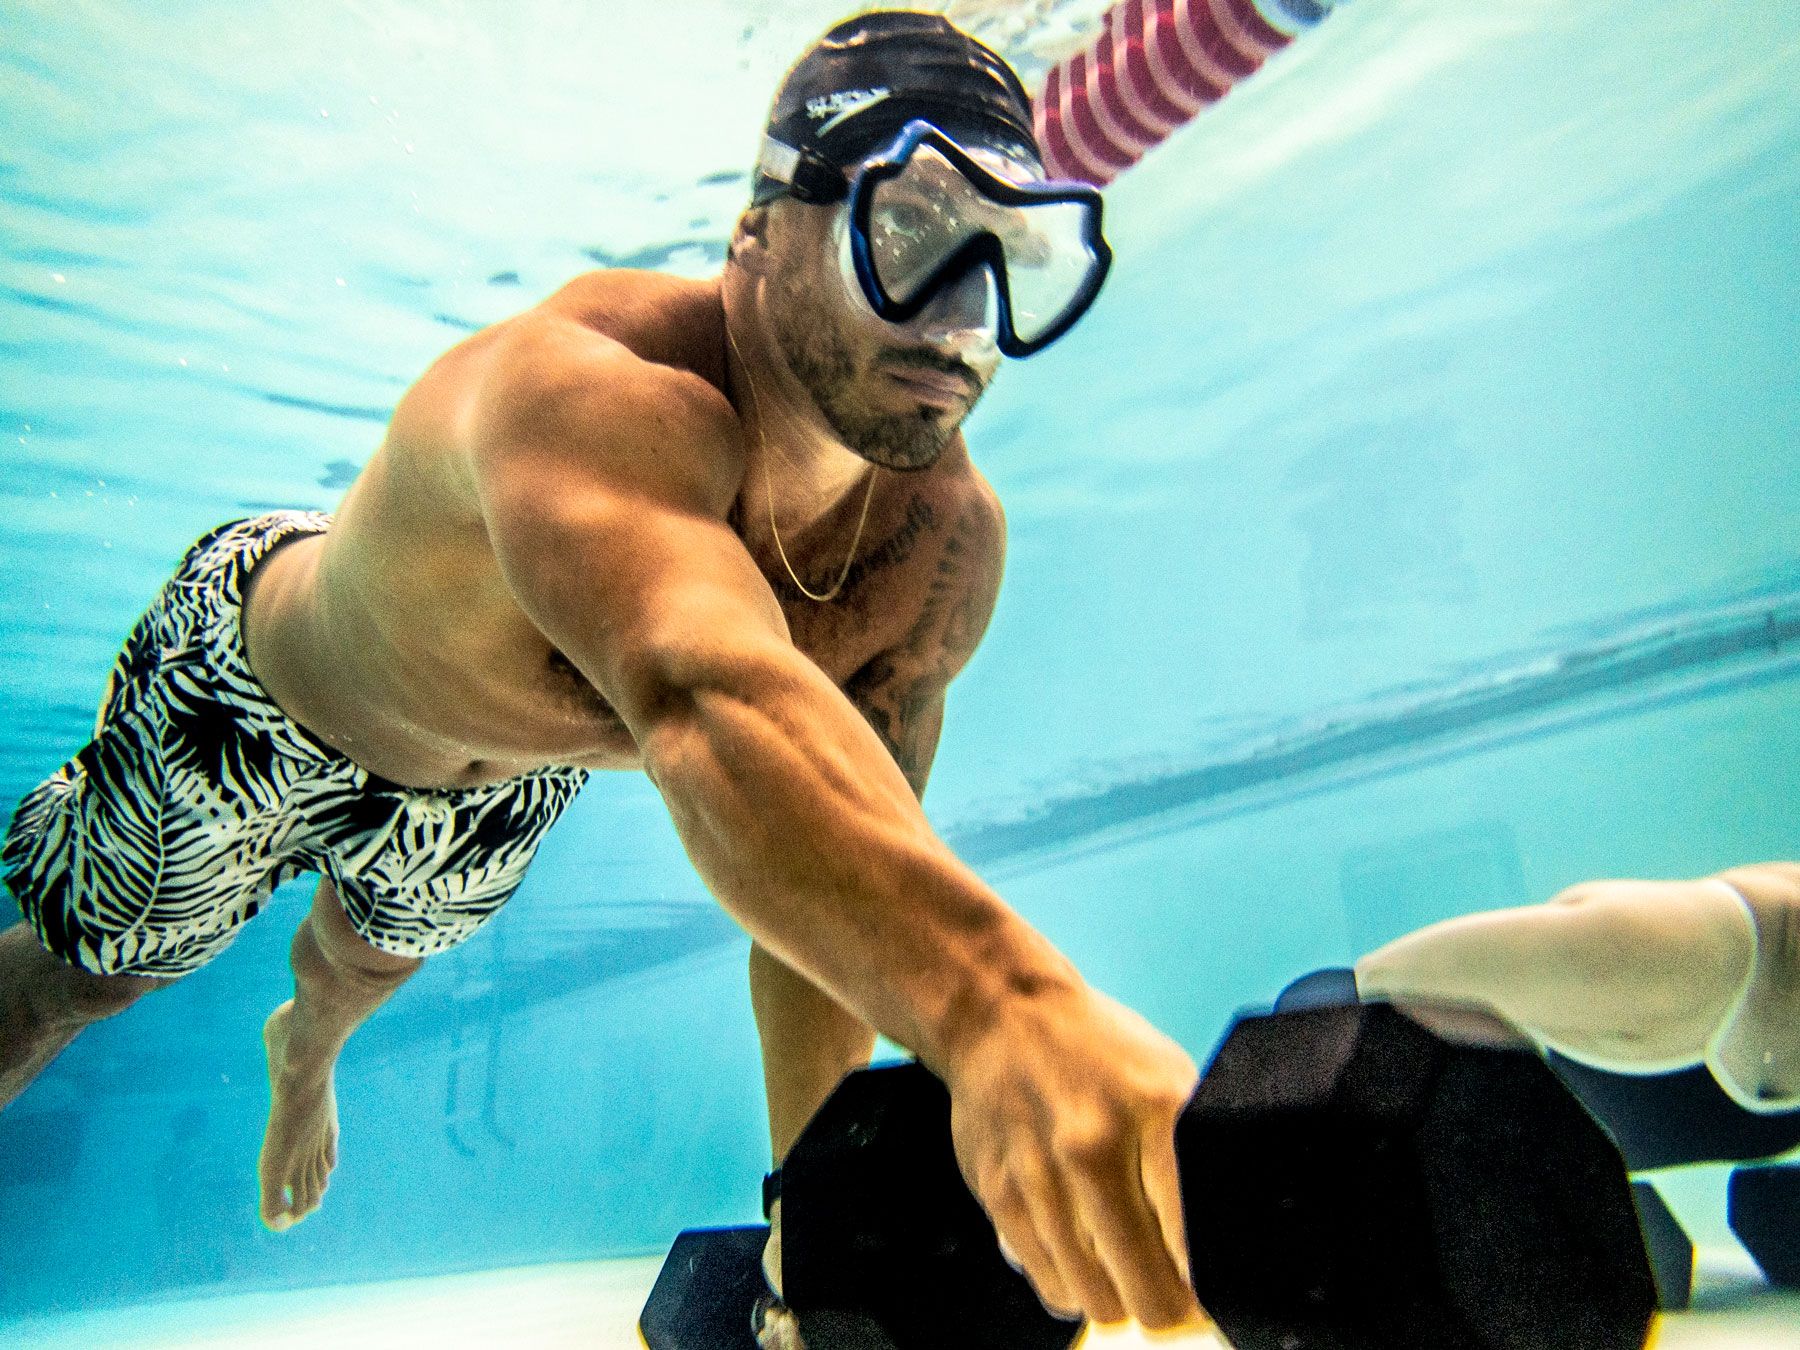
775, 1327
300, 1145
774, 1324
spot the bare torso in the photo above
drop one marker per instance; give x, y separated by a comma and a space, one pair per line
396, 639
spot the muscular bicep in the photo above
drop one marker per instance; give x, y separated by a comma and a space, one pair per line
612, 581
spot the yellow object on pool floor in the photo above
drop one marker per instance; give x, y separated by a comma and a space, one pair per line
594, 1305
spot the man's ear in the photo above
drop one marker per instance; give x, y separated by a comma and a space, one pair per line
749, 247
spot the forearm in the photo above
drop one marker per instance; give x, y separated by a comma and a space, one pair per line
807, 832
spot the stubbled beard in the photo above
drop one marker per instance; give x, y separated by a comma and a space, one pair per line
822, 363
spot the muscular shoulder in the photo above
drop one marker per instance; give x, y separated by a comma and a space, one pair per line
678, 322
558, 394
978, 508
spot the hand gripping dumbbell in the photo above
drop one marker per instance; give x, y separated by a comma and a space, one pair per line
1351, 1182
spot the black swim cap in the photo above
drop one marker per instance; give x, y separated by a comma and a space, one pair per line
853, 91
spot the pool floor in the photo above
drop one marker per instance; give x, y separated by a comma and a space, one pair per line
594, 1305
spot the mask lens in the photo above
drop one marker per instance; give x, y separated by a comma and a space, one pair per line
1048, 262
963, 315
917, 219
921, 216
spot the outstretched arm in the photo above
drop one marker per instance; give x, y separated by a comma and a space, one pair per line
604, 485
1628, 973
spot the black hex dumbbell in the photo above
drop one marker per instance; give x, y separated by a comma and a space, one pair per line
1763, 1208
1670, 1248
1352, 1182
883, 1246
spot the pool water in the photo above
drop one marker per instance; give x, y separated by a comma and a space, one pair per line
1410, 529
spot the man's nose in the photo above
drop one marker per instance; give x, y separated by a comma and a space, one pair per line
962, 319
967, 302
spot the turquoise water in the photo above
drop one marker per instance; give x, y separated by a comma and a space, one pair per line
1411, 529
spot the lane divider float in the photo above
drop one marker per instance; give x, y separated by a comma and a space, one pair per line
1154, 65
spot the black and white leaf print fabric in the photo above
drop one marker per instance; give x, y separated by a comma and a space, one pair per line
198, 796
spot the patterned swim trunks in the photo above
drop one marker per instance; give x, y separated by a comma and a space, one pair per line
147, 852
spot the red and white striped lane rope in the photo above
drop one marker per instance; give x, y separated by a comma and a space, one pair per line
1154, 65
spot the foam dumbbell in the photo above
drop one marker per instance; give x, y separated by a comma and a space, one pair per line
883, 1246
1763, 1208
704, 1294
1671, 1250
1351, 1182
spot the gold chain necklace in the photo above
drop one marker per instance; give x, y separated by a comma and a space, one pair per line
762, 447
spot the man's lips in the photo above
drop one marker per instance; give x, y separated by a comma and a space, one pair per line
935, 385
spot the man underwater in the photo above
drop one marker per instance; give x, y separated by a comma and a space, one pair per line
724, 531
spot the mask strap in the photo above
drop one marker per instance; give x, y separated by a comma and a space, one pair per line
809, 176
777, 161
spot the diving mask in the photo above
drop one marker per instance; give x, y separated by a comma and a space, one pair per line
924, 213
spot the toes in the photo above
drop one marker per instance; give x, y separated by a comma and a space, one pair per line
318, 1181
303, 1197
275, 1205
307, 1193
286, 1203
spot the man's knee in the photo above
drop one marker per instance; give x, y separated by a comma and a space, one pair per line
58, 994
326, 943
103, 996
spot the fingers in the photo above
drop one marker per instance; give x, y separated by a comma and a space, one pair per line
1069, 1127
1160, 1171
1109, 1247
1027, 1253
1132, 1244
1078, 1267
